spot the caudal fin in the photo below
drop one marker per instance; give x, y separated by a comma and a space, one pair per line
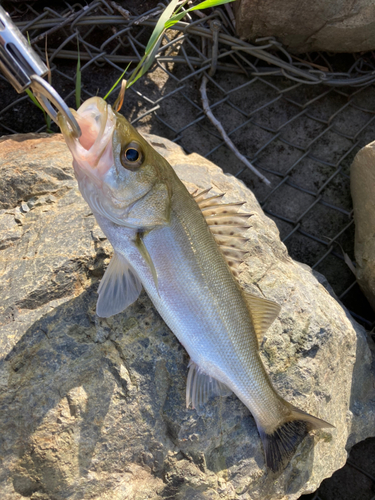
280, 444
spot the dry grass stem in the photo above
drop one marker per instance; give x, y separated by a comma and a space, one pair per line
220, 128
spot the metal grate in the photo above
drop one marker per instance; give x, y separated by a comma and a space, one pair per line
300, 121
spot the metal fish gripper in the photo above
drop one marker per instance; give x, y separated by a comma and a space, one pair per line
23, 68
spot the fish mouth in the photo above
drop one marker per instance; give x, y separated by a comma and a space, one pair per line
92, 151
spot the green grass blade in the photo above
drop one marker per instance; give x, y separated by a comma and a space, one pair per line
159, 28
173, 20
78, 80
34, 99
117, 82
47, 119
209, 3
168, 18
143, 68
203, 5
134, 76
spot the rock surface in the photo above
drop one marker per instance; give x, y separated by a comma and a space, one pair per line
93, 408
305, 26
362, 184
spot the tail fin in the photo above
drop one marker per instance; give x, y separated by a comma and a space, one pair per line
281, 444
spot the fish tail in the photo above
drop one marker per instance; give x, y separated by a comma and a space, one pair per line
281, 443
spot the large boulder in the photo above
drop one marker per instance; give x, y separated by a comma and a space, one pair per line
94, 408
362, 184
305, 26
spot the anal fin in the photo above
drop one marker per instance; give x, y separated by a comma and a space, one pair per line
119, 287
200, 387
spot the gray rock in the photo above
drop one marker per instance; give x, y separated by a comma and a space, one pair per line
24, 207
305, 26
18, 215
95, 408
362, 184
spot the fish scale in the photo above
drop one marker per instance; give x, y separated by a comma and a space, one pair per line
163, 241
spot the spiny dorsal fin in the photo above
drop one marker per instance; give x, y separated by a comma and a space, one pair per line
226, 225
222, 208
263, 312
211, 201
199, 196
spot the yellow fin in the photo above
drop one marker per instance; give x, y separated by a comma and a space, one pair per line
263, 312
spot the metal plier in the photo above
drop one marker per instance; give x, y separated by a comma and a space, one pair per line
23, 68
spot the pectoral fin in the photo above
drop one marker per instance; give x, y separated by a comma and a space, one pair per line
263, 312
140, 244
120, 287
200, 387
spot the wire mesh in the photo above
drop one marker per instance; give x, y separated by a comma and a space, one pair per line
299, 120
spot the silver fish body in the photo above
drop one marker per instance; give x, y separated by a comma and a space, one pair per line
201, 302
161, 240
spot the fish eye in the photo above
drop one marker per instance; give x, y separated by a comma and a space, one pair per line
131, 156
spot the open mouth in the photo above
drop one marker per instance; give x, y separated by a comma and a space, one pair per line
93, 150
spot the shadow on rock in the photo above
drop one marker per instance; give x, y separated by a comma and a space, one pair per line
60, 385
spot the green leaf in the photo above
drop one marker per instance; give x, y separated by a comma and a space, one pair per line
117, 82
49, 123
159, 28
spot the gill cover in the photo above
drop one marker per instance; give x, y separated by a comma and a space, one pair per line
119, 174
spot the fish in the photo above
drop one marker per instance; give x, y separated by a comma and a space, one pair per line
184, 250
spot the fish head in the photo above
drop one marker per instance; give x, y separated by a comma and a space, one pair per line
119, 173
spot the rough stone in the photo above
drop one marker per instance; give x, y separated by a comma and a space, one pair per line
94, 409
305, 26
362, 184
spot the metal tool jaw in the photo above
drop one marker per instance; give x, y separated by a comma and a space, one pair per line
23, 68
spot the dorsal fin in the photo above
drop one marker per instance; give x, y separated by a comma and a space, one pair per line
220, 208
263, 312
227, 225
212, 200
199, 196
